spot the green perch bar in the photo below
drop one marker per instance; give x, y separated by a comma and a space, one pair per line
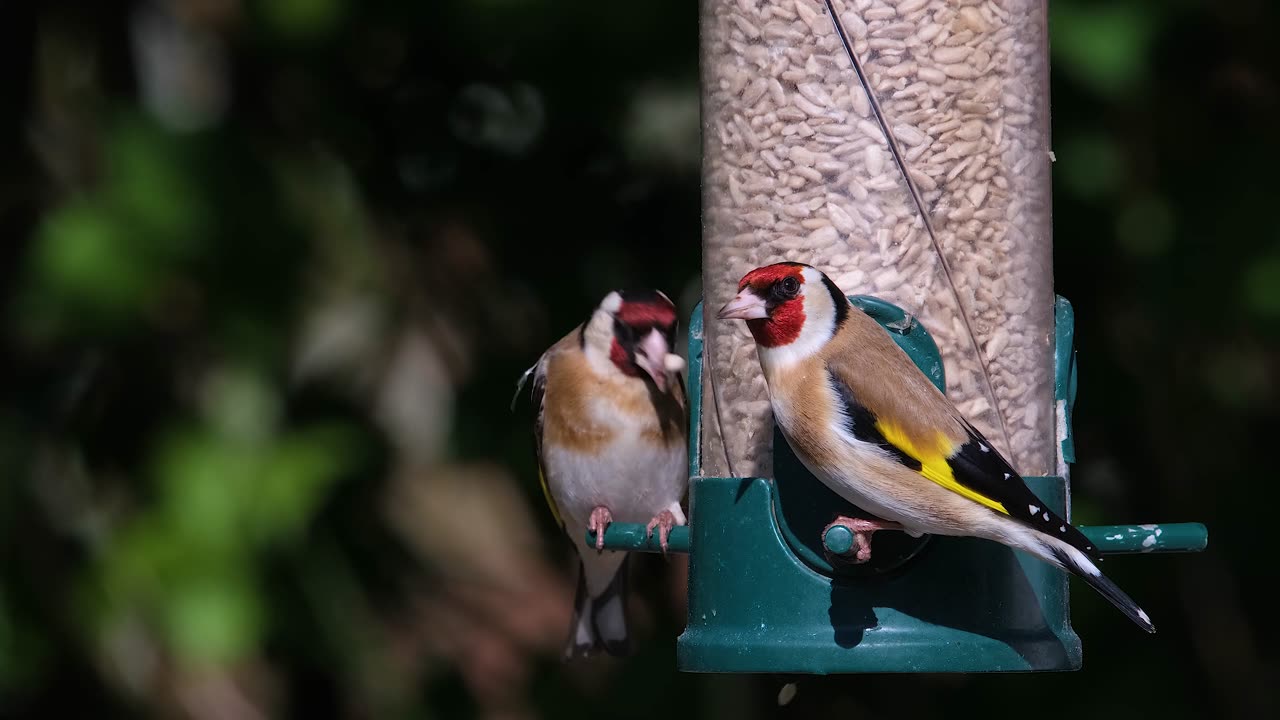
1110, 539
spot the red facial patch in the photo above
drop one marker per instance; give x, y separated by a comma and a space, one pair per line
782, 326
762, 278
785, 319
643, 314
619, 357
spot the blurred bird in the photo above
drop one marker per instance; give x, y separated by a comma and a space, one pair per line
610, 436
867, 422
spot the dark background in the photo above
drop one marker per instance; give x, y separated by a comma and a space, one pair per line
272, 268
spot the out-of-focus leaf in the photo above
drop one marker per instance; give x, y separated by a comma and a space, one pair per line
240, 404
153, 182
663, 128
104, 260
81, 262
204, 480
213, 616
1262, 285
301, 20
1103, 45
138, 562
293, 478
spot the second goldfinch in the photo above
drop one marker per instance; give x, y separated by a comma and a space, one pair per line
611, 446
870, 425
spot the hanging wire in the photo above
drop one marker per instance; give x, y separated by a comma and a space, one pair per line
918, 200
709, 372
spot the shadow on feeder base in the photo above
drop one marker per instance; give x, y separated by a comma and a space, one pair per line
971, 586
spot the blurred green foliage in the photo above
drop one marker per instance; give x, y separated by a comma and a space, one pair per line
275, 264
101, 260
1104, 46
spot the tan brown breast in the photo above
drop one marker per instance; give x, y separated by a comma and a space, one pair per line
810, 404
574, 389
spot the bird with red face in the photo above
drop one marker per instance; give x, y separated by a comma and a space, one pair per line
865, 420
611, 446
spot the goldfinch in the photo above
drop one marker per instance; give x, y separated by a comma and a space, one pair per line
611, 446
867, 422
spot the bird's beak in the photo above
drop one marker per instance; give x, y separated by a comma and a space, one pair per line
746, 305
654, 356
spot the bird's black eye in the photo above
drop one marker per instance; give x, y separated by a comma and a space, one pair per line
787, 288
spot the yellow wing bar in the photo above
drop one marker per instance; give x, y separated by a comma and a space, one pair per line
933, 463
546, 492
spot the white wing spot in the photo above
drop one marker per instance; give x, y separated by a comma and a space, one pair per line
1046, 515
1006, 476
1034, 509
1062, 528
983, 448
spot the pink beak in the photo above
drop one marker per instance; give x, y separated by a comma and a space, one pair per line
746, 305
651, 356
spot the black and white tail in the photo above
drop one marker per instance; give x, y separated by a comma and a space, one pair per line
600, 623
1070, 558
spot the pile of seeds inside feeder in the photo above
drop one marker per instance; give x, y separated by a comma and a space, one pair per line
796, 167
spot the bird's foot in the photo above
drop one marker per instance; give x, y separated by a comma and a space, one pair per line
600, 519
663, 521
862, 529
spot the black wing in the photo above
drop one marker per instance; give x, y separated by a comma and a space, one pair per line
980, 467
537, 395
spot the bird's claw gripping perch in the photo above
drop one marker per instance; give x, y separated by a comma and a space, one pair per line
663, 521
600, 519
862, 529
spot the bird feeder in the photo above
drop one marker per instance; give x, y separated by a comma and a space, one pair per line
901, 147
768, 591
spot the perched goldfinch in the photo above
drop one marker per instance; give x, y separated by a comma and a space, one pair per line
611, 446
864, 420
